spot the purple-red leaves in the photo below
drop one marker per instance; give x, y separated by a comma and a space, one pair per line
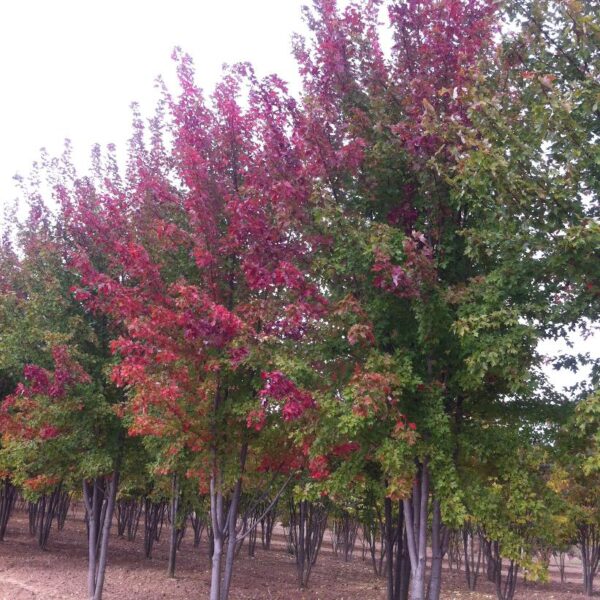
318, 467
283, 391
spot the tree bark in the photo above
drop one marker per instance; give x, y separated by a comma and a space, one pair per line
307, 526
389, 543
415, 518
100, 506
589, 544
173, 536
8, 496
217, 521
472, 565
396, 552
231, 526
435, 583
90, 496
110, 508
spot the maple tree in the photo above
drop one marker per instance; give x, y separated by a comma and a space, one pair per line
377, 126
57, 425
345, 291
204, 270
444, 207
575, 478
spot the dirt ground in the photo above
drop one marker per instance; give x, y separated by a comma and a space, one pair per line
28, 573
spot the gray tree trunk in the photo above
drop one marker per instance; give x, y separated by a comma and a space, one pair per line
91, 505
110, 509
415, 515
217, 521
437, 553
232, 539
173, 536
396, 551
8, 496
589, 545
100, 506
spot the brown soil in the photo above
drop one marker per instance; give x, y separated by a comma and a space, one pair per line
28, 573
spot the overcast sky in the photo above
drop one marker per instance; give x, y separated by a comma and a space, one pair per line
71, 68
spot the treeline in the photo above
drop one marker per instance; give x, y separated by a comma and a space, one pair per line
332, 302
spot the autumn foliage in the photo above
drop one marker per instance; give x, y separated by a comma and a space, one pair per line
341, 293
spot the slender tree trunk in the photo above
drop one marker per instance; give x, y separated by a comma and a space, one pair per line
90, 495
63, 510
472, 564
232, 538
389, 543
415, 515
404, 569
231, 526
343, 536
375, 536
217, 521
173, 537
8, 496
198, 524
300, 554
589, 545
46, 516
559, 559
506, 590
435, 583
108, 516
396, 551
267, 524
32, 511
308, 522
100, 506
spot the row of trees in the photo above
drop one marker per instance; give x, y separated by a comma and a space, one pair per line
341, 294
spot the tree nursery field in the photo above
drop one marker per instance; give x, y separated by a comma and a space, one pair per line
324, 309
28, 573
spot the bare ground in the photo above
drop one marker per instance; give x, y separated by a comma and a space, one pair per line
28, 573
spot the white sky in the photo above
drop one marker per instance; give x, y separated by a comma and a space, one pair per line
71, 68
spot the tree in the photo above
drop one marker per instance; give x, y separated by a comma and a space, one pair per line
576, 479
206, 278
58, 427
443, 209
397, 243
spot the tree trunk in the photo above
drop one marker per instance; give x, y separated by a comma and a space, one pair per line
62, 510
100, 505
267, 524
173, 536
559, 559
506, 591
108, 516
41, 515
588, 540
472, 564
396, 552
308, 522
8, 496
218, 526
90, 496
415, 518
404, 569
343, 536
198, 524
389, 546
224, 527
437, 553
232, 532
374, 535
